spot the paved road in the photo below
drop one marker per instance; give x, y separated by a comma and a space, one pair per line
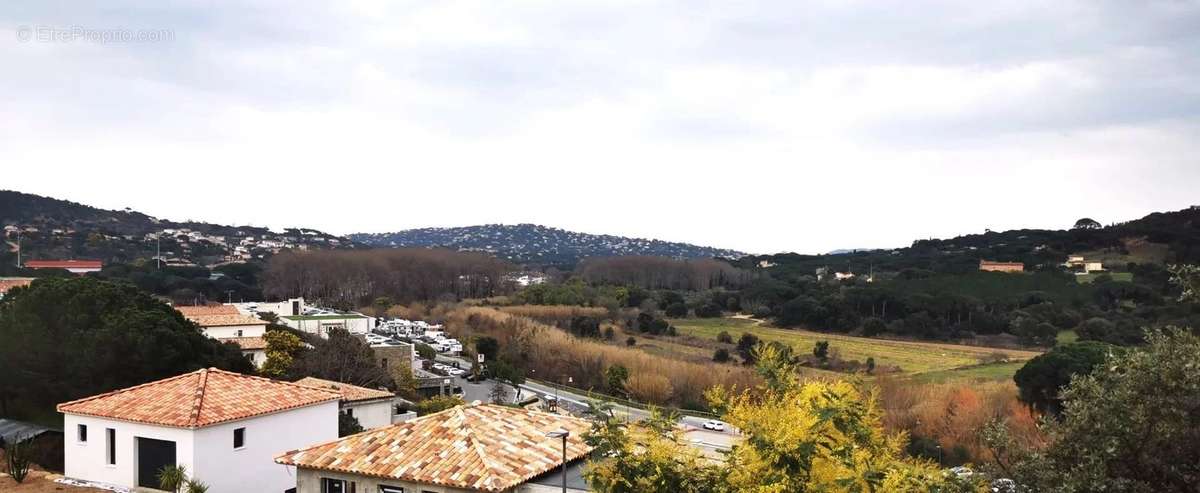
576, 402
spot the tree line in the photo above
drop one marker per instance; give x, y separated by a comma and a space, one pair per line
348, 279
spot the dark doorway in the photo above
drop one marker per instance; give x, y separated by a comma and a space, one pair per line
152, 456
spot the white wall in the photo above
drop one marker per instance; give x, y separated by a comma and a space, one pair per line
309, 481
208, 452
253, 468
227, 331
88, 460
354, 325
372, 414
256, 356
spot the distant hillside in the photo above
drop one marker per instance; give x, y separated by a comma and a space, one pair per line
54, 229
1158, 238
533, 244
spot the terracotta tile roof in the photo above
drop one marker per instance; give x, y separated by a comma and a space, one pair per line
192, 311
350, 393
63, 264
481, 447
225, 320
218, 315
7, 283
247, 343
198, 399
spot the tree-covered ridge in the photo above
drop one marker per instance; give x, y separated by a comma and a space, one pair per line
53, 229
540, 245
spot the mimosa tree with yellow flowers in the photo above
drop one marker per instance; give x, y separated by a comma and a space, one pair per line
799, 436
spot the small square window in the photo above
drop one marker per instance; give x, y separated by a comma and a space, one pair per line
239, 332
239, 438
82, 433
330, 485
390, 489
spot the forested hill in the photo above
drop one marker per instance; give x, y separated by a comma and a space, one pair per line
1158, 238
56, 229
534, 244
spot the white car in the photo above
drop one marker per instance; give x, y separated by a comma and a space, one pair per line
458, 372
714, 425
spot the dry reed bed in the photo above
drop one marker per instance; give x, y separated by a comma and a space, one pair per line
554, 355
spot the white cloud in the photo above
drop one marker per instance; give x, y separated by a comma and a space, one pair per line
765, 126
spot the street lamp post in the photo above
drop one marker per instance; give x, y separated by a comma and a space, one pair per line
562, 433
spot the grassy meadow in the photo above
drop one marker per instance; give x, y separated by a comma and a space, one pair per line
939, 361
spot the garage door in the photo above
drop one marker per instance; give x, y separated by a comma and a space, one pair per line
152, 456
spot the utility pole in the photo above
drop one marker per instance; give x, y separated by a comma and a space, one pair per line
18, 249
158, 249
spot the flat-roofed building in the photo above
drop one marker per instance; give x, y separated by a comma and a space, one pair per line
991, 266
74, 266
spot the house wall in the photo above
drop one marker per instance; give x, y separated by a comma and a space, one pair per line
253, 468
88, 460
354, 325
1002, 267
400, 359
372, 414
227, 331
309, 481
256, 356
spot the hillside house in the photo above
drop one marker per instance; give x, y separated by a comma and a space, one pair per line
74, 266
1082, 265
371, 407
479, 447
8, 283
224, 427
225, 323
991, 266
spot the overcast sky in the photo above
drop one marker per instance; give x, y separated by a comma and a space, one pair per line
759, 126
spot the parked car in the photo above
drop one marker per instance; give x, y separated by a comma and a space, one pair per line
714, 425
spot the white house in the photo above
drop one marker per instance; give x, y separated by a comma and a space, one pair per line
371, 407
224, 427
291, 306
226, 323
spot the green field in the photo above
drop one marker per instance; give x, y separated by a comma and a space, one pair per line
994, 371
910, 356
1116, 276
1066, 337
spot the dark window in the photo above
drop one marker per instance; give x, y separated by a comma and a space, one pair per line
239, 437
350, 412
329, 485
82, 433
111, 442
390, 489
239, 332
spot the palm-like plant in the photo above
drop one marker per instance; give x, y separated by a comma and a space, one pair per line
172, 478
194, 486
17, 454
